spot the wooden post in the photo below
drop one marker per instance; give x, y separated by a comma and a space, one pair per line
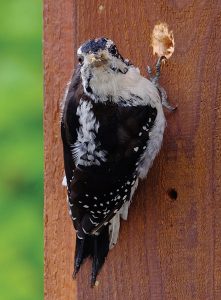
170, 247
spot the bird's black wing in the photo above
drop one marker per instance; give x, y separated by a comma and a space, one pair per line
123, 133
69, 128
103, 179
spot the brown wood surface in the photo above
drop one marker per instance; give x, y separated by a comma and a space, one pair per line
169, 248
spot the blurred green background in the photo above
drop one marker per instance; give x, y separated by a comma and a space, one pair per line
21, 150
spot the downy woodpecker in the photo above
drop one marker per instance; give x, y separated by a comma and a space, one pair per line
112, 128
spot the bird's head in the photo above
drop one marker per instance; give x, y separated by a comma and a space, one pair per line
101, 52
102, 68
101, 65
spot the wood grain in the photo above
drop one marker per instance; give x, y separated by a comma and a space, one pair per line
59, 238
169, 248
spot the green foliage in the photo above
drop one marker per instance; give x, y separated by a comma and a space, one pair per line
21, 151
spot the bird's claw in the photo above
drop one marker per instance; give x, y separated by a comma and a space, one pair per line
149, 72
167, 105
155, 81
164, 99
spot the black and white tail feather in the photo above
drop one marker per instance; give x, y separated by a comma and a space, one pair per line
112, 128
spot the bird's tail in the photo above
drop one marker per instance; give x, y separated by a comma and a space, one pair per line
94, 246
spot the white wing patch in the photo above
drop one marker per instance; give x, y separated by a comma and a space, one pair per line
114, 228
86, 151
64, 181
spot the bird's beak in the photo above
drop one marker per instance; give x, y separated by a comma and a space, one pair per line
97, 60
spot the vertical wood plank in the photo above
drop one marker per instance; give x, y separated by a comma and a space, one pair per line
58, 65
168, 249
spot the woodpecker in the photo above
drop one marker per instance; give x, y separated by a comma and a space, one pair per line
112, 127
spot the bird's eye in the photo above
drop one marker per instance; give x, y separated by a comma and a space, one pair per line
80, 60
113, 50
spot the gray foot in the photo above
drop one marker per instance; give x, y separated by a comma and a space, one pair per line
155, 81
